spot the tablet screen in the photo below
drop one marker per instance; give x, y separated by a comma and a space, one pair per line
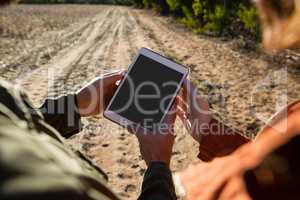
146, 92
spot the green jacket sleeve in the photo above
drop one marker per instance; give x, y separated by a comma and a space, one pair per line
35, 161
62, 114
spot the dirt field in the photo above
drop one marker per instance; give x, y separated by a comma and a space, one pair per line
51, 50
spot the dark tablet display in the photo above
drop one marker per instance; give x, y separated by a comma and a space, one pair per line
147, 91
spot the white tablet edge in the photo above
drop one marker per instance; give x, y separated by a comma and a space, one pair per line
111, 115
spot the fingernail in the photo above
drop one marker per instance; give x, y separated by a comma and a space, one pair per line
189, 124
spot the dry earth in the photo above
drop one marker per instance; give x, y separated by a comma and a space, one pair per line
51, 50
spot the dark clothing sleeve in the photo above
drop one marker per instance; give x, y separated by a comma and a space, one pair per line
62, 114
158, 183
284, 183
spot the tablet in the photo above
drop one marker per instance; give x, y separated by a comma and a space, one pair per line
147, 91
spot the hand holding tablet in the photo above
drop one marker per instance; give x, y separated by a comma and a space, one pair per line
147, 91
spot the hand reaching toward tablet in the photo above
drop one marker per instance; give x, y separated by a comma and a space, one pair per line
95, 96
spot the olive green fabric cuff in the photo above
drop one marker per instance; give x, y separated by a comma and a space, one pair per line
62, 113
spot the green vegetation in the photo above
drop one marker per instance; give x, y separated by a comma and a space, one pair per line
248, 16
216, 17
120, 2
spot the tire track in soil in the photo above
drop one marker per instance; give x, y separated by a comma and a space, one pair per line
115, 150
75, 71
35, 57
53, 76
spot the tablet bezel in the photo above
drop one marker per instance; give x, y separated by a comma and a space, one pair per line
111, 115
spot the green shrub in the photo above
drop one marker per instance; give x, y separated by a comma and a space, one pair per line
147, 3
248, 16
215, 19
123, 2
159, 6
199, 7
189, 19
211, 17
138, 3
173, 5
199, 15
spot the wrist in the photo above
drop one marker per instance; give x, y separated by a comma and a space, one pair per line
158, 163
86, 103
81, 104
159, 160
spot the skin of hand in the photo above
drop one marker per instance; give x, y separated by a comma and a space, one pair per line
215, 138
219, 179
193, 110
157, 145
95, 96
222, 178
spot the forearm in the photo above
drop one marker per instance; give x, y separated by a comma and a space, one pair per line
158, 183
